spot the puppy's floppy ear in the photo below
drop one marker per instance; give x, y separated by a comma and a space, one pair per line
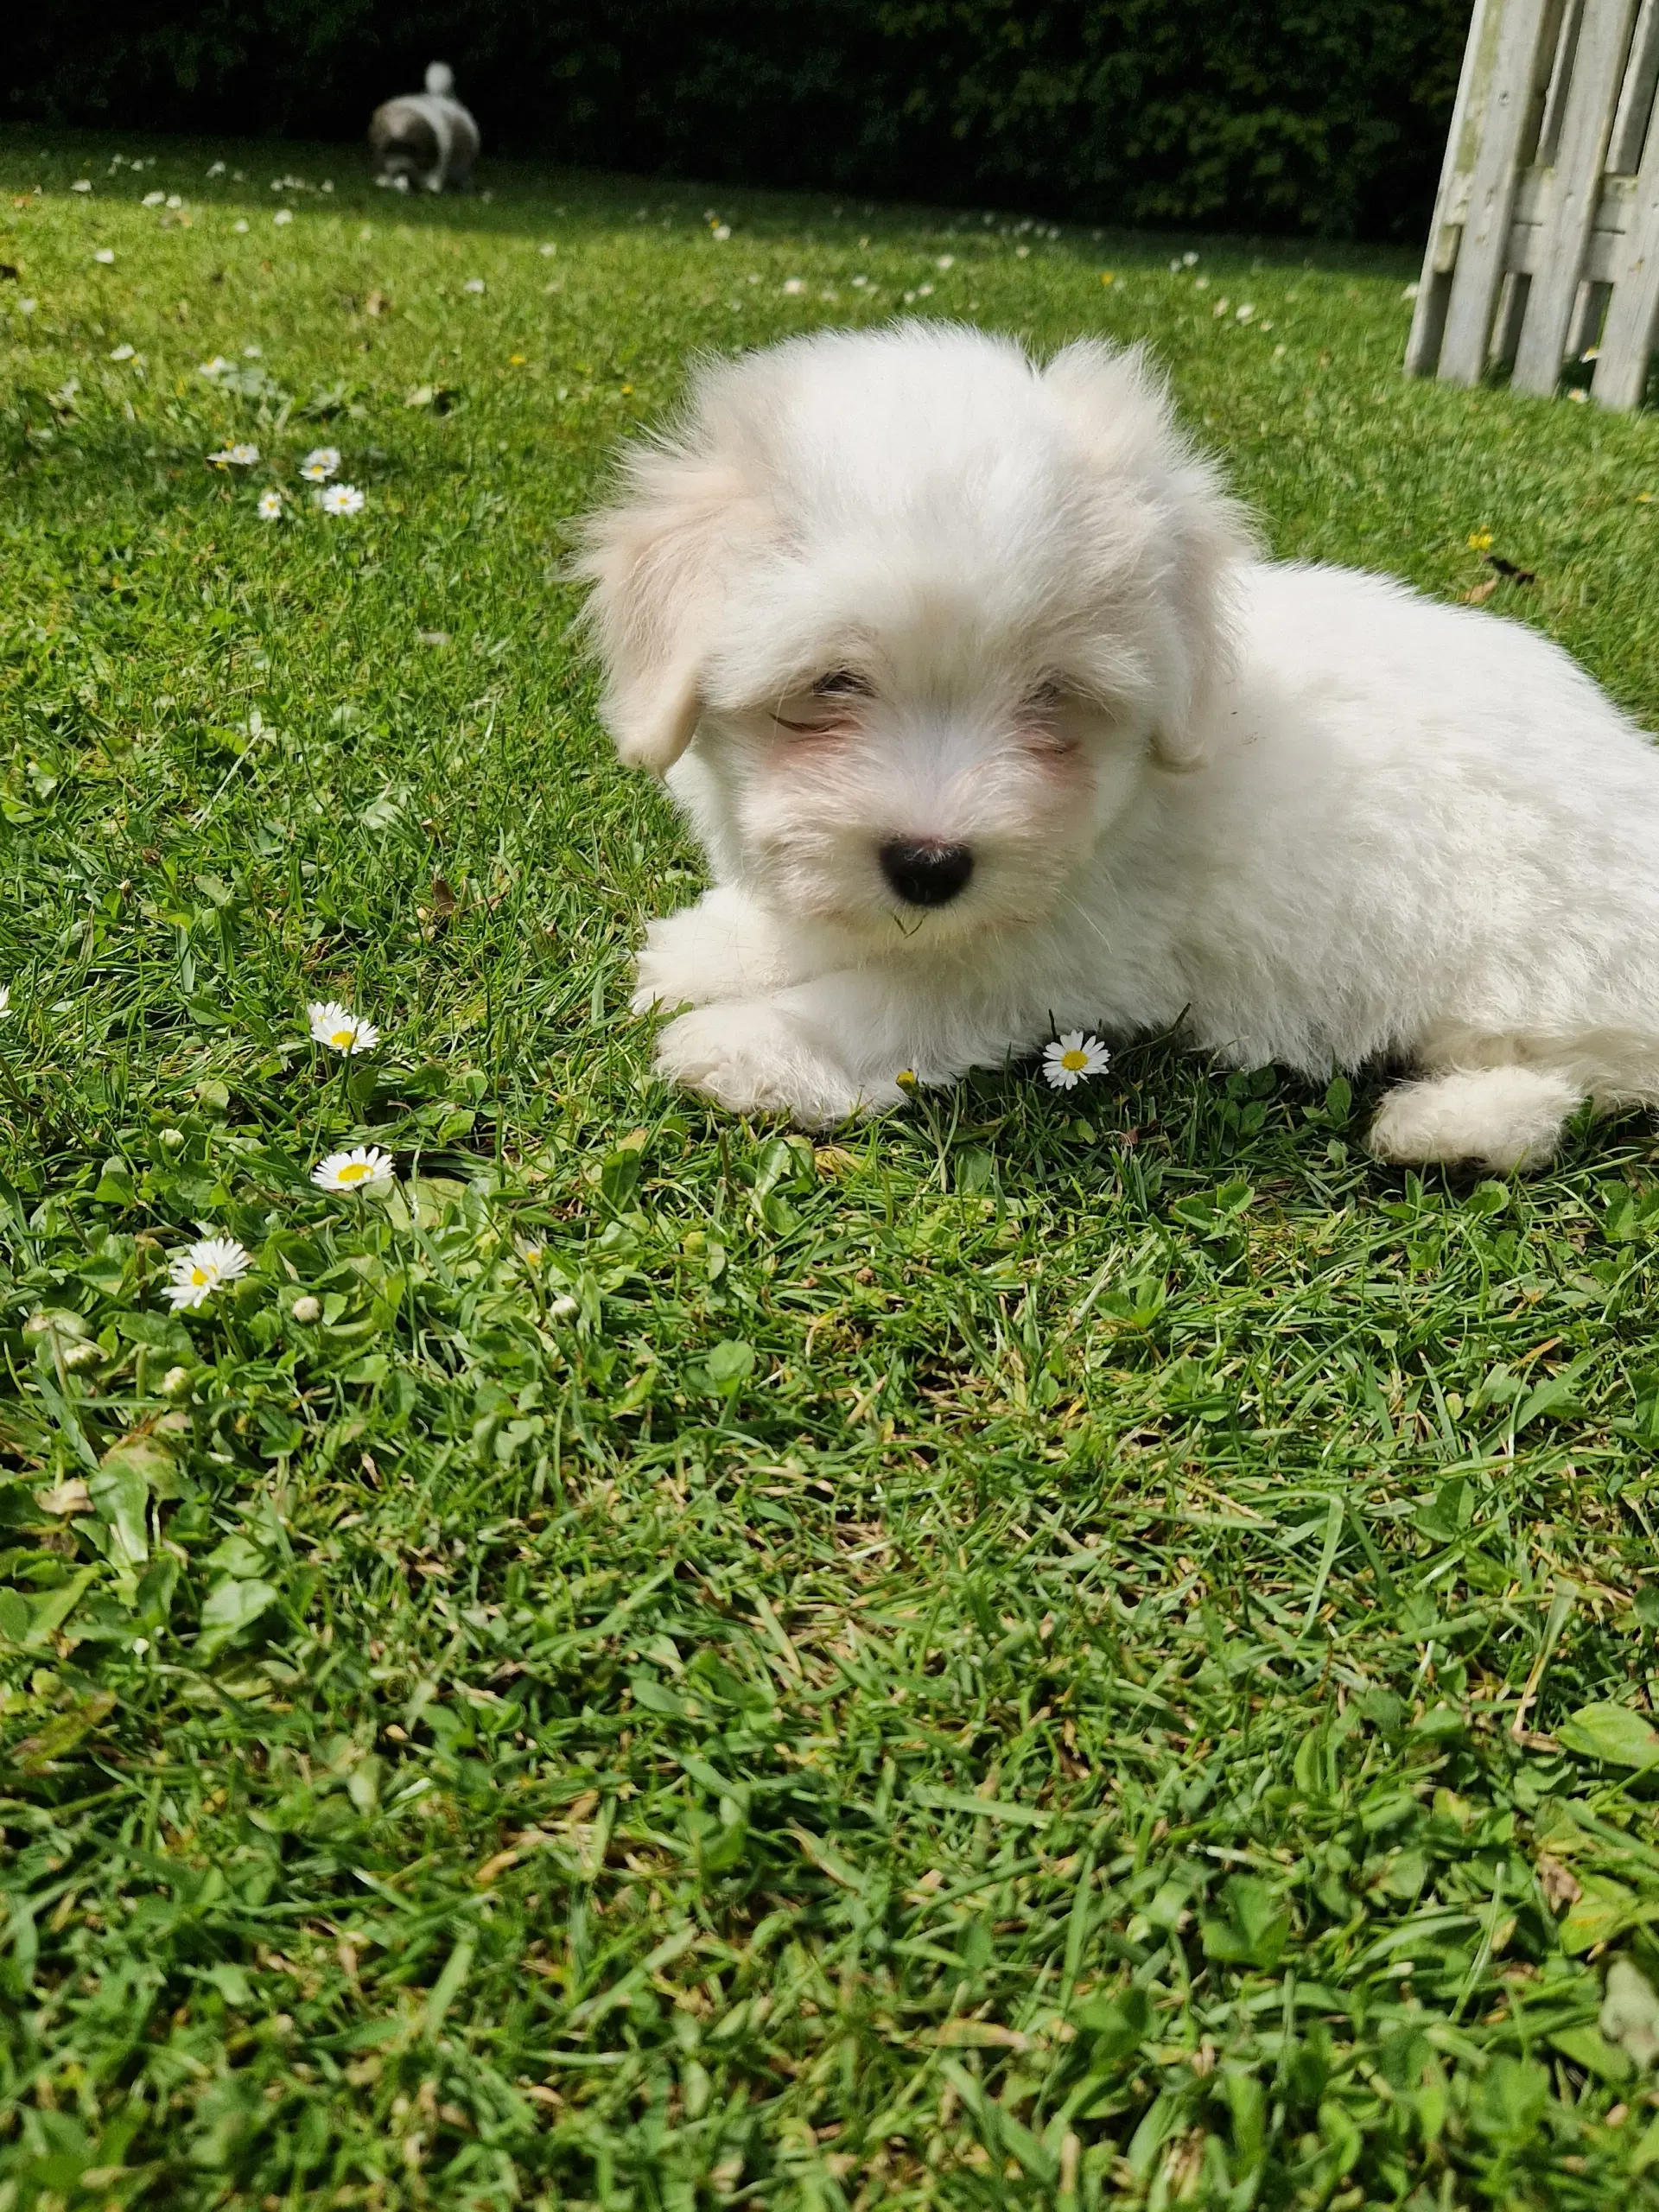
1167, 528
653, 557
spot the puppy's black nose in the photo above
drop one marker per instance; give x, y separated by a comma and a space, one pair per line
924, 874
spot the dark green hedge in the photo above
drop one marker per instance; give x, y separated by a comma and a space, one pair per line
1290, 115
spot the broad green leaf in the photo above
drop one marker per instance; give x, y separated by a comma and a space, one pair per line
1612, 1734
1602, 1909
231, 1608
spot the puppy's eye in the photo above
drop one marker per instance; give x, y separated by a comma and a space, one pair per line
819, 709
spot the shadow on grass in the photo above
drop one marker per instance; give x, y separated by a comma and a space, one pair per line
519, 196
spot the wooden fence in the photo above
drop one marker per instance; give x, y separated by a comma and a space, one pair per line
1545, 243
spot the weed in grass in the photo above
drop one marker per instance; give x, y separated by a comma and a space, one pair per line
1066, 1647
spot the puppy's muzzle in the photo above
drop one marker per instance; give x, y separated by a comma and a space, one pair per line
926, 874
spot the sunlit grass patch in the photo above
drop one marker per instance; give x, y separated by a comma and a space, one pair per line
1069, 1644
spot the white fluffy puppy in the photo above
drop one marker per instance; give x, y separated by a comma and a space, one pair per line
991, 725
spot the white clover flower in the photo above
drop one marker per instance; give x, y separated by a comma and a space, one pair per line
1069, 1059
337, 1027
271, 505
105, 254
319, 464
544, 251
152, 200
307, 1309
341, 500
216, 368
216, 168
473, 285
175, 199
240, 224
202, 1268
252, 352
794, 285
123, 352
283, 215
365, 1167
1189, 259
1244, 312
721, 232
81, 184
945, 261
27, 307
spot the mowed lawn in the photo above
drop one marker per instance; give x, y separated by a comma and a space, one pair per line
1051, 1649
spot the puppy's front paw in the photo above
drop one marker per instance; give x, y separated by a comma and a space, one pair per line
674, 967
754, 1060
720, 949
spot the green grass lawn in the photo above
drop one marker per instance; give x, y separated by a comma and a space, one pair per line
1054, 1649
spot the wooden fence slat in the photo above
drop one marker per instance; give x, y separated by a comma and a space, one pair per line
1636, 99
1435, 290
1622, 371
1587, 117
1482, 251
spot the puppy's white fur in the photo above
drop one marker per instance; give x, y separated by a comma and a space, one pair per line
1308, 815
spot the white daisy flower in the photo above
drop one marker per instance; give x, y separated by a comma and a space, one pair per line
216, 168
337, 1027
81, 184
105, 254
123, 352
283, 215
319, 464
152, 200
27, 307
240, 224
235, 457
271, 505
202, 1268
473, 285
5, 1002
341, 500
945, 261
365, 1167
175, 199
1069, 1059
794, 286
216, 368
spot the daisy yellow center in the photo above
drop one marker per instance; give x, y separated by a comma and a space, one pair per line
1075, 1060
355, 1171
342, 1037
198, 1275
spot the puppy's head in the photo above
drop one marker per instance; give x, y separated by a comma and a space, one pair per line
925, 613
403, 142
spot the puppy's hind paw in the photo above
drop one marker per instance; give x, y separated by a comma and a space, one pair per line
752, 1059
1508, 1118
